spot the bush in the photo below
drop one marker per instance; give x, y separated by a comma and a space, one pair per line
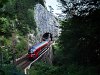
41, 68
21, 46
10, 70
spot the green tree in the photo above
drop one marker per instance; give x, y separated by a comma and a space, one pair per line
16, 16
80, 36
43, 69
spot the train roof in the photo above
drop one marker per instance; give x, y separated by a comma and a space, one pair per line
38, 45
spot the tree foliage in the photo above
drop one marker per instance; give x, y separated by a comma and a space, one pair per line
43, 69
80, 34
80, 7
80, 38
16, 16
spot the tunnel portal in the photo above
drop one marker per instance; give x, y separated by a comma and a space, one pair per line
47, 36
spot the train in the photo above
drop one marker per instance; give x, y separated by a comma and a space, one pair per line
37, 49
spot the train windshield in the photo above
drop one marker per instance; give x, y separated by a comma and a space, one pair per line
31, 50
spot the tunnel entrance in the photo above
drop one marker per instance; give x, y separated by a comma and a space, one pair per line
47, 36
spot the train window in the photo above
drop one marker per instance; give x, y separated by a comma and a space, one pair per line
31, 50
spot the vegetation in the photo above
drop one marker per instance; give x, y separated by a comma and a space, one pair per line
80, 38
43, 69
16, 22
10, 70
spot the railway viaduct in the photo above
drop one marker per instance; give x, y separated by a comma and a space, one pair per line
48, 56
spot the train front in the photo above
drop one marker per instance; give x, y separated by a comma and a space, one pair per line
31, 54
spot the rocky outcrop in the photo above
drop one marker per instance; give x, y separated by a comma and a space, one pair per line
45, 21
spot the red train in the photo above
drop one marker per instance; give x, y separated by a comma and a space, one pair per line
36, 50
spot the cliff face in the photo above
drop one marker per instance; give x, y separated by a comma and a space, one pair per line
45, 21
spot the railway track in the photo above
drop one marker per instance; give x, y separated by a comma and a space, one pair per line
20, 60
24, 62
